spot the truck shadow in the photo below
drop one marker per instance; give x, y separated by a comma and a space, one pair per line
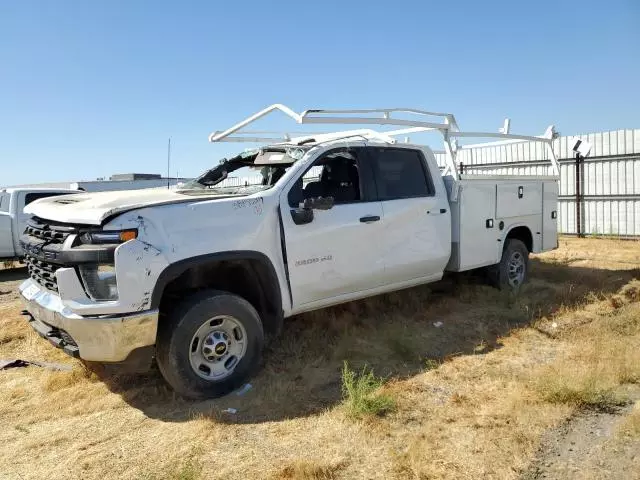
13, 274
398, 335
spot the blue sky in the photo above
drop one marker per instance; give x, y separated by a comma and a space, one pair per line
88, 89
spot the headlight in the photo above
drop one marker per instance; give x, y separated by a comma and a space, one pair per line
99, 281
119, 236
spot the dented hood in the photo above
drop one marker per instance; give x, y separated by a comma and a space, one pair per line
94, 208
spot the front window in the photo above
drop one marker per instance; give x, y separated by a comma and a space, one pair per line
251, 171
341, 174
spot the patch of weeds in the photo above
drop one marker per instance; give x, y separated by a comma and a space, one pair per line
431, 364
482, 347
361, 393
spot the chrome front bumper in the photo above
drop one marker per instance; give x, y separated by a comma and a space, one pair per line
108, 338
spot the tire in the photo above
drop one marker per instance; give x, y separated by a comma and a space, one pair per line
190, 342
513, 269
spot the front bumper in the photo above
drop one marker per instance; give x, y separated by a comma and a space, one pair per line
107, 338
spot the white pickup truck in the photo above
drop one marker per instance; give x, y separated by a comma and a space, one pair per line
13, 220
196, 276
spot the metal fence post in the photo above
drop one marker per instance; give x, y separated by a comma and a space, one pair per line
579, 196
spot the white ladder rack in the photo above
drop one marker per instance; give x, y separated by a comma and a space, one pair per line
444, 123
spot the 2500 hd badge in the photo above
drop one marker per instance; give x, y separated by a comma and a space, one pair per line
309, 261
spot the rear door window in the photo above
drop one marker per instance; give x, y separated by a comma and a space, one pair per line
401, 173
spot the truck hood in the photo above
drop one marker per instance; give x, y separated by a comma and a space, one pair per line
94, 208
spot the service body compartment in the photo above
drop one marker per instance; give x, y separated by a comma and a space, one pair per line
473, 244
516, 199
488, 207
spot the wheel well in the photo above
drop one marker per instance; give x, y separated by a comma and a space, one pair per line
253, 279
524, 235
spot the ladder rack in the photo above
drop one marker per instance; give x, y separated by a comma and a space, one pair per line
423, 121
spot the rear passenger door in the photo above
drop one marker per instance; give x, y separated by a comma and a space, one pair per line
417, 237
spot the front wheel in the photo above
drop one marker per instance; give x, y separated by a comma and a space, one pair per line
513, 269
210, 344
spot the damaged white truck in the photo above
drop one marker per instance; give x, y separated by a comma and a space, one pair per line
198, 276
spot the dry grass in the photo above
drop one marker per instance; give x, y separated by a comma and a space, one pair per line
630, 426
7, 264
189, 468
602, 356
309, 470
472, 397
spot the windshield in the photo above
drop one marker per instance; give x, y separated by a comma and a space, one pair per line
251, 171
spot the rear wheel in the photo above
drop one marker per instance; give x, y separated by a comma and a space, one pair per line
210, 344
513, 269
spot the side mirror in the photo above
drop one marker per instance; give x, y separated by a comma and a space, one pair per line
301, 216
304, 214
319, 203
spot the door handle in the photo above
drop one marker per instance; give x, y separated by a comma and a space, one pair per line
442, 210
370, 219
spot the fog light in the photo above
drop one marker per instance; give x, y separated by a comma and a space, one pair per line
99, 281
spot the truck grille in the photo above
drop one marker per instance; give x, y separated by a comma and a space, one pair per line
41, 243
42, 272
50, 233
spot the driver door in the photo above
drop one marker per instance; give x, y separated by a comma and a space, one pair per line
338, 252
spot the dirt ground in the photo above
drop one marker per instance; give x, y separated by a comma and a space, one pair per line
581, 447
540, 384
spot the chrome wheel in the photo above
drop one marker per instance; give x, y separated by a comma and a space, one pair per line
217, 347
517, 269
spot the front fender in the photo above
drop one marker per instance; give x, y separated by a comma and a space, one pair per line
174, 270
